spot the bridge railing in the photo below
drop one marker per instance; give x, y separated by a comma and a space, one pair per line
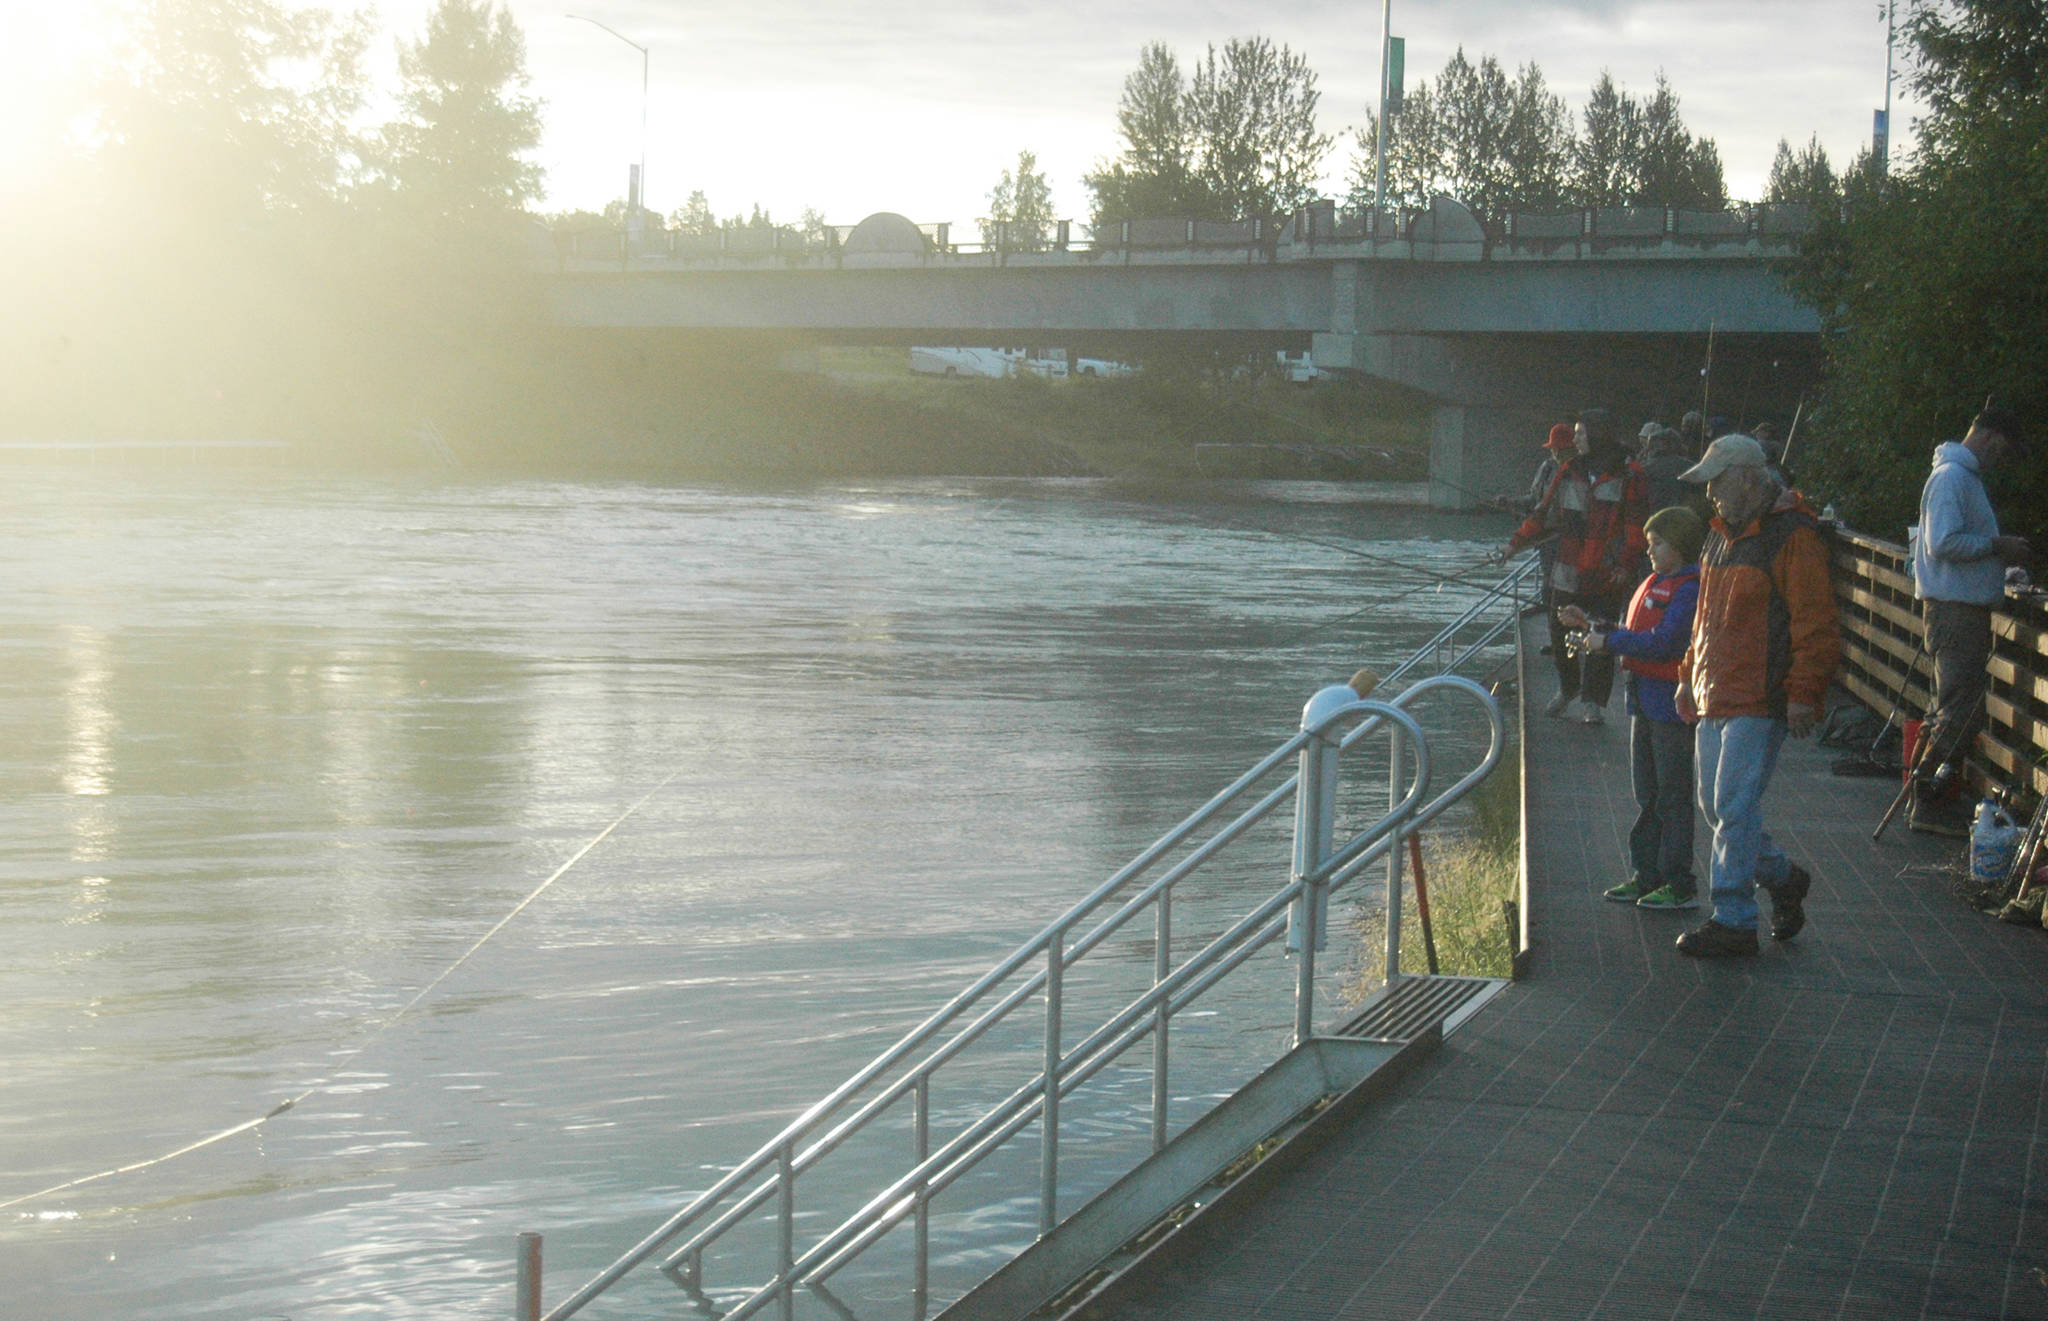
1445, 228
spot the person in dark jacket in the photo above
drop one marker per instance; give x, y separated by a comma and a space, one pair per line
1654, 637
1595, 507
1664, 458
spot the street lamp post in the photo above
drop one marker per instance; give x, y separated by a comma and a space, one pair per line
1379, 167
637, 186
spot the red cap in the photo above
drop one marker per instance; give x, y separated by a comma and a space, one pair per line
1560, 437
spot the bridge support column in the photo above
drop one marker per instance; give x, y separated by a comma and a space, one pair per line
1471, 448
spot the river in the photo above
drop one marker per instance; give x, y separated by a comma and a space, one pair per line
279, 751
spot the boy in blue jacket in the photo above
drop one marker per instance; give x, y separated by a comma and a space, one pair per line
1653, 639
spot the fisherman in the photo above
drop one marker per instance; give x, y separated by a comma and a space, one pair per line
1764, 648
1959, 562
1595, 507
1654, 638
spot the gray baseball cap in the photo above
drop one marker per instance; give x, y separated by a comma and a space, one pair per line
1733, 450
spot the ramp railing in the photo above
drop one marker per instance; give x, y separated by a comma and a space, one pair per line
761, 1193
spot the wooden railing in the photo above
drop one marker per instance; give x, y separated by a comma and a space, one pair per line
1885, 665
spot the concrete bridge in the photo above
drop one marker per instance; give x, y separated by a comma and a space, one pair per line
1502, 334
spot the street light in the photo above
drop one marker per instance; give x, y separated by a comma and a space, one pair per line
1379, 167
638, 186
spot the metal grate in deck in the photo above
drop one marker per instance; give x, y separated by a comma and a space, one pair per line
1410, 1007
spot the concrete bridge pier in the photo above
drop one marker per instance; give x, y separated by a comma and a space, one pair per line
1476, 452
1492, 404
1494, 397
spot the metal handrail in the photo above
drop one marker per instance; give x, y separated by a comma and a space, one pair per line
1321, 868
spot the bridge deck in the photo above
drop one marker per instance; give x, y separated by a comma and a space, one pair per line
1845, 1126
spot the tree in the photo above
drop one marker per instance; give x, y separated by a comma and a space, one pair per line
1535, 145
1020, 212
1608, 143
458, 153
1237, 141
1640, 153
1414, 155
1928, 281
213, 118
1154, 174
1805, 176
1258, 152
1670, 166
694, 216
1496, 143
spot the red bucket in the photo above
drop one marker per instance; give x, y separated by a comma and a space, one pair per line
1910, 743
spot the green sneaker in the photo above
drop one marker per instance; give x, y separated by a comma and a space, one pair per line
1666, 897
1627, 892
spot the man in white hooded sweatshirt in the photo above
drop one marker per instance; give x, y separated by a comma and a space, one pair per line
1959, 564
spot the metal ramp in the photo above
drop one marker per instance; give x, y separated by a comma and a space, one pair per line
1416, 1006
918, 1127
1270, 1124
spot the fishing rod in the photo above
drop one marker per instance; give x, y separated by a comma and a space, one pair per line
1707, 374
1791, 432
356, 1052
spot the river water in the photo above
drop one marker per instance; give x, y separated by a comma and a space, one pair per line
277, 752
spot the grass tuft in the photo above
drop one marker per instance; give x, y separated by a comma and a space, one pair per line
1470, 874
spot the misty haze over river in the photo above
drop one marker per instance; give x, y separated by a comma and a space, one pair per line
278, 750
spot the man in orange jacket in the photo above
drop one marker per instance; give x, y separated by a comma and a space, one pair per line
1764, 648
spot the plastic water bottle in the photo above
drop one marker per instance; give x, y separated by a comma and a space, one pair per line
1994, 838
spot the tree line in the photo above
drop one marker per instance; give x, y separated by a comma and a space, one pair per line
230, 250
1236, 137
1499, 143
1928, 277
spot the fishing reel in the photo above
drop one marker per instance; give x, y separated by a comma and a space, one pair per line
1575, 641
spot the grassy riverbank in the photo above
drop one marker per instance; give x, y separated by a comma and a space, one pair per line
623, 406
507, 397
1470, 873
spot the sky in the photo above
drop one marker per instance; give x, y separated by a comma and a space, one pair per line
917, 106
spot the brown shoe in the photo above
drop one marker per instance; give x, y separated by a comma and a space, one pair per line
1714, 941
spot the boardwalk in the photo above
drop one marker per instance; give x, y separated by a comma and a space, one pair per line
1843, 1127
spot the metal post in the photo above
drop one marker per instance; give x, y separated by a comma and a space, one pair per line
1162, 964
1379, 168
1881, 148
1315, 819
637, 186
1049, 1115
526, 1304
1394, 858
920, 1287
785, 1270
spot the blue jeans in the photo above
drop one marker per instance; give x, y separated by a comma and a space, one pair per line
1735, 756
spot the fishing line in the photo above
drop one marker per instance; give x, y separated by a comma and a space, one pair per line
1345, 548
357, 1051
1295, 640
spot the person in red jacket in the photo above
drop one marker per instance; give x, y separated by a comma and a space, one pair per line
1764, 647
1595, 507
